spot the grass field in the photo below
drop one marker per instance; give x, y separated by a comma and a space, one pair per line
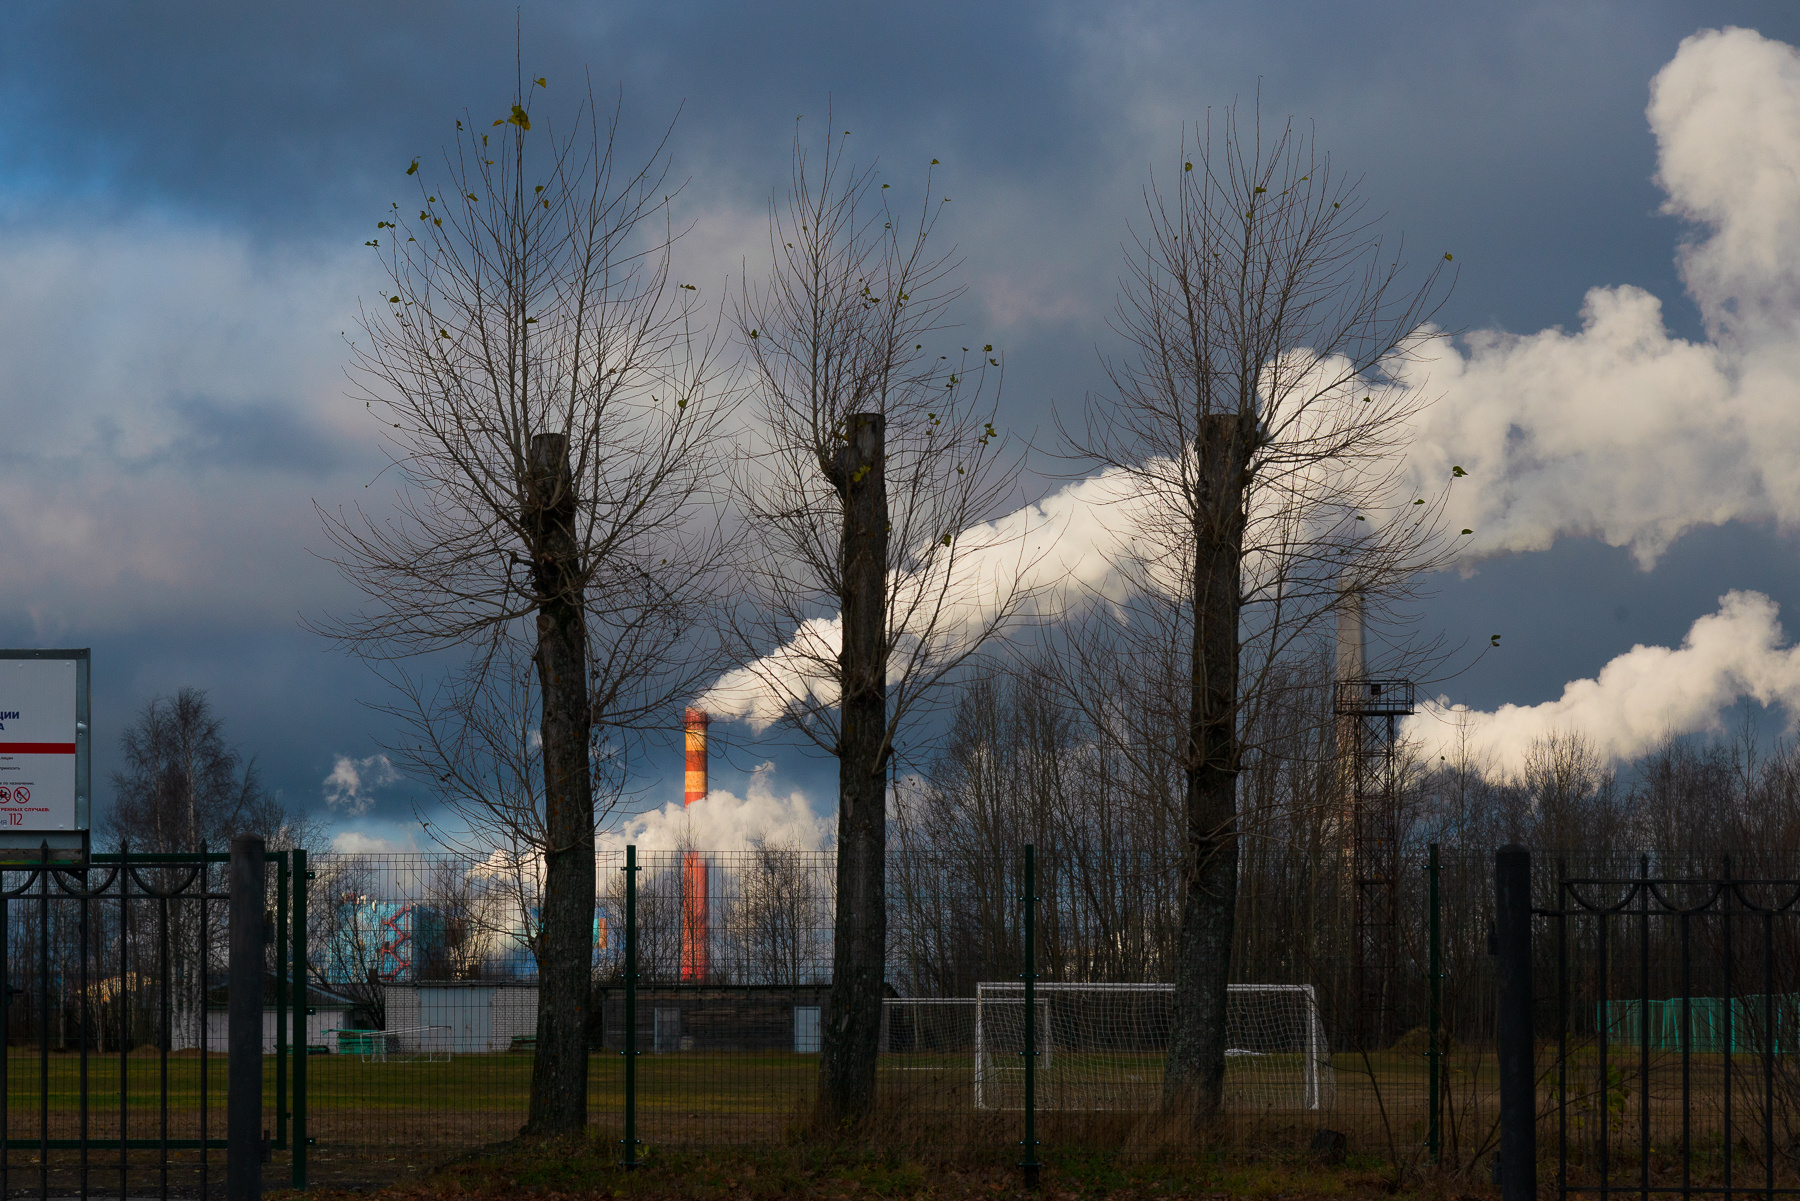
692, 1098
375, 1121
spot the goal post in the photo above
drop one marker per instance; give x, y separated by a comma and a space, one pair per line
999, 1043
1103, 1046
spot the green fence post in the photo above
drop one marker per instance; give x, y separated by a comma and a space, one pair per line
631, 971
300, 876
1030, 1162
1433, 1053
281, 997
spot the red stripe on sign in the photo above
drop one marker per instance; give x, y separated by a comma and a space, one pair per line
37, 748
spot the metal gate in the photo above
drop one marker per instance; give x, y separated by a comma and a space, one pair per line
1672, 1031
113, 975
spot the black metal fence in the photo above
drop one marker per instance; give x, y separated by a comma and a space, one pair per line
1664, 1034
1654, 1010
432, 959
401, 1013
115, 1024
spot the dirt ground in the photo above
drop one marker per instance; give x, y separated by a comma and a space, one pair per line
588, 1169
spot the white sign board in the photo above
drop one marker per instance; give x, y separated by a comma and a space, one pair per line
37, 744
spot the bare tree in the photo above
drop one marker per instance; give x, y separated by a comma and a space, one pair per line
1571, 793
546, 400
344, 932
1261, 431
880, 451
775, 930
466, 905
182, 787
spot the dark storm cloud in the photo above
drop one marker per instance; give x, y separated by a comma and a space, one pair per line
273, 114
1514, 135
206, 433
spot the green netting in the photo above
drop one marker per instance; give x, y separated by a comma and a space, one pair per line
1749, 1024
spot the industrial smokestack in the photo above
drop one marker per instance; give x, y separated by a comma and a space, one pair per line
1351, 669
1351, 664
696, 935
695, 722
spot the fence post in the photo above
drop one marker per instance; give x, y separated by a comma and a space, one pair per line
243, 1122
302, 1028
631, 972
281, 998
1513, 1024
1434, 1048
1030, 1162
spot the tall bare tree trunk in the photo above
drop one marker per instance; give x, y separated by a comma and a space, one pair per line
560, 1070
853, 1023
1195, 1072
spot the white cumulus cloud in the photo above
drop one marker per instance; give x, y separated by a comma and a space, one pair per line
350, 788
354, 842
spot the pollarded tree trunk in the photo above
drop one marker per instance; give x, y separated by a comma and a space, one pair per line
1195, 1072
853, 1022
559, 1072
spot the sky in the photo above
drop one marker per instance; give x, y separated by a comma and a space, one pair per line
185, 192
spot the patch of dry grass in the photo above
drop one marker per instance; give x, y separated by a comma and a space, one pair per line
580, 1169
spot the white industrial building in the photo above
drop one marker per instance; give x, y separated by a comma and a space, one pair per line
463, 1017
328, 1012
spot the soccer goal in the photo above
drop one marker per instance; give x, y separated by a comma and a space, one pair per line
924, 1034
1102, 1046
404, 1044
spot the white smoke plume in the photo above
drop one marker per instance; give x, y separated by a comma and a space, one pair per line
1619, 431
1073, 538
1647, 692
1616, 431
722, 821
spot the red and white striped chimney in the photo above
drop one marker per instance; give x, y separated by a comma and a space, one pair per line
695, 722
696, 934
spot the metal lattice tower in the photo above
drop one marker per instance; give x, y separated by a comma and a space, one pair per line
1368, 713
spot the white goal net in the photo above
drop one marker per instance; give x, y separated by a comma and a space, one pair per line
1102, 1046
927, 1033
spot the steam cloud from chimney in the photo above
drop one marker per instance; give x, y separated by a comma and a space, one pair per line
1616, 431
1649, 691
